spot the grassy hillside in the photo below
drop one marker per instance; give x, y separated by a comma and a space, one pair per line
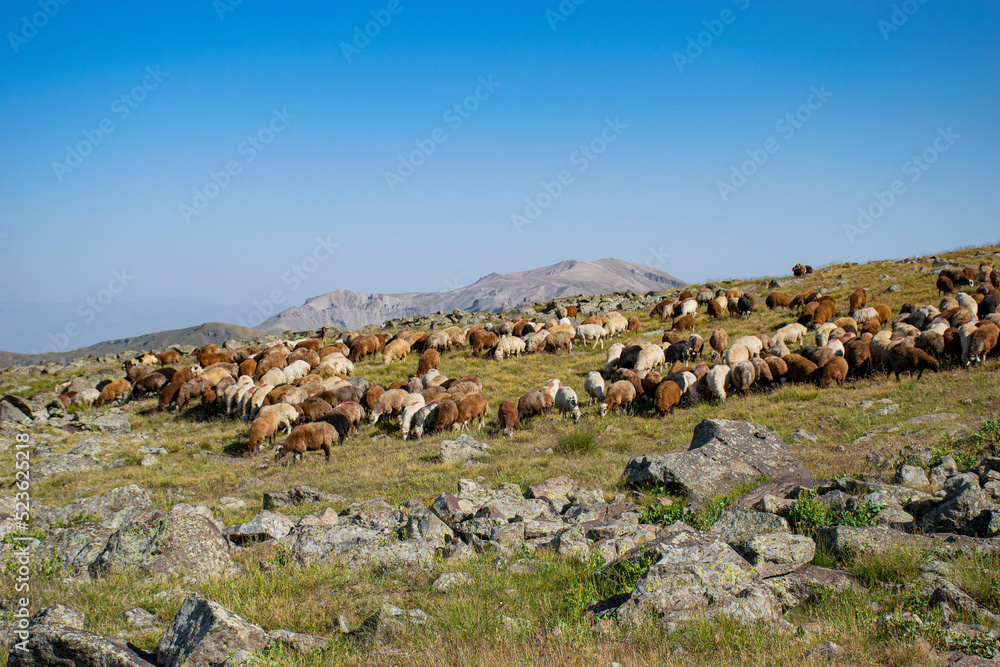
377, 463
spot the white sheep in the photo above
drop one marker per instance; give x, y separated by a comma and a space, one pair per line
295, 370
566, 401
614, 353
966, 301
594, 332
411, 405
509, 346
753, 344
336, 364
836, 346
650, 357
717, 381
594, 386
535, 342
686, 307
616, 326
965, 338
735, 354
273, 376
823, 333
287, 413
790, 333
257, 399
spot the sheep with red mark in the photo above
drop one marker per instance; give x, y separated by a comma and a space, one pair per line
411, 405
619, 395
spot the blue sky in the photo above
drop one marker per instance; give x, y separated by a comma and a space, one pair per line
661, 191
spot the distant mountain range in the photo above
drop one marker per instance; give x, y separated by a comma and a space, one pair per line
42, 327
494, 292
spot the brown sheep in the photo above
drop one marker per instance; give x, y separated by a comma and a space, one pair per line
137, 372
432, 394
149, 384
857, 299
800, 369
834, 370
559, 339
117, 390
354, 413
657, 311
265, 427
858, 357
571, 311
762, 371
471, 406
206, 359
983, 340
308, 437
339, 346
742, 377
313, 344
370, 397
633, 324
507, 417
714, 309
818, 355
683, 323
428, 359
482, 340
268, 361
446, 415
620, 394
667, 395
826, 311
248, 367
801, 269
803, 298
778, 368
631, 376
884, 312
396, 349
314, 408
194, 387
168, 357
719, 341
168, 392
363, 347
903, 359
777, 300
311, 357
531, 405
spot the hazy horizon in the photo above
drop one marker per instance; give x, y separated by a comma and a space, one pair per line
214, 152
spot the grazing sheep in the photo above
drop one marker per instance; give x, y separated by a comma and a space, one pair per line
660, 309
594, 386
620, 394
148, 384
422, 419
684, 323
445, 416
411, 406
650, 357
531, 405
719, 341
370, 397
471, 406
801, 270
482, 340
616, 326
354, 413
823, 332
762, 372
678, 352
817, 355
982, 341
778, 368
613, 358
649, 381
804, 298
753, 344
396, 349
716, 381
509, 346
308, 437
287, 413
744, 306
713, 309
633, 324
777, 300
559, 339
903, 359
313, 409
695, 344
790, 333
389, 403
837, 346
265, 427
666, 397
742, 376
305, 354
834, 370
137, 371
857, 299
800, 369
778, 350
735, 354
191, 389
507, 417
118, 390
566, 401
428, 359
594, 332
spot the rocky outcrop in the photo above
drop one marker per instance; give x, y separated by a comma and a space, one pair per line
206, 634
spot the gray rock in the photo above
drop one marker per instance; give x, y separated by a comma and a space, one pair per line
300, 494
827, 651
943, 471
807, 581
148, 460
389, 623
802, 435
140, 617
156, 451
556, 490
111, 424
933, 418
63, 464
463, 448
965, 509
722, 454
59, 615
775, 554
53, 644
89, 447
912, 476
99, 508
302, 643
451, 580
10, 413
77, 547
161, 544
738, 524
204, 634
228, 503
850, 541
265, 526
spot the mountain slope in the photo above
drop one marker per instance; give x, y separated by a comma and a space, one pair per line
493, 292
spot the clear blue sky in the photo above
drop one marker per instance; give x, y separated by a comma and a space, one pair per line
887, 96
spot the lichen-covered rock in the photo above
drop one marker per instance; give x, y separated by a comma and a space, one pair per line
389, 623
63, 464
774, 554
722, 454
736, 524
301, 494
205, 634
53, 644
463, 448
265, 526
96, 507
965, 509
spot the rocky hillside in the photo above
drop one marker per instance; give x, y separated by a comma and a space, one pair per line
493, 293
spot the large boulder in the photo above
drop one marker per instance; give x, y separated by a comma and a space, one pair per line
53, 644
301, 494
162, 544
722, 454
965, 509
464, 448
96, 508
775, 554
265, 526
205, 634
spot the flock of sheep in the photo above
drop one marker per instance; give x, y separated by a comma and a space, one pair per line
308, 389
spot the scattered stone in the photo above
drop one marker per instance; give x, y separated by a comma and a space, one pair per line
933, 418
912, 476
140, 617
148, 460
738, 524
63, 464
265, 526
890, 409
109, 423
774, 554
59, 615
388, 623
204, 633
54, 644
230, 504
827, 652
300, 494
158, 451
302, 643
450, 581
802, 435
463, 448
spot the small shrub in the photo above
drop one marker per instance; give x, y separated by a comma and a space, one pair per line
577, 442
806, 516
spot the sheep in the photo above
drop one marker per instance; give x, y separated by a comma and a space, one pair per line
735, 354
483, 340
800, 369
117, 390
660, 308
931, 342
762, 372
804, 298
778, 350
593, 384
753, 344
686, 307
566, 401
336, 364
531, 405
777, 300
287, 413
966, 301
678, 352
790, 333
649, 380
616, 326
535, 342
965, 333
352, 411
778, 368
428, 359
136, 372
633, 324
86, 397
389, 403
295, 370
666, 397
311, 357
445, 416
148, 384
313, 409
837, 346
744, 306
507, 418
265, 427
823, 333
982, 341
695, 343
509, 346
834, 370
716, 381
191, 389
857, 299
957, 276
396, 349
620, 394
559, 339
713, 309
459, 389
684, 323
650, 357
742, 376
308, 437
549, 390
719, 341
411, 405
594, 332
613, 358
903, 359
370, 397
801, 270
